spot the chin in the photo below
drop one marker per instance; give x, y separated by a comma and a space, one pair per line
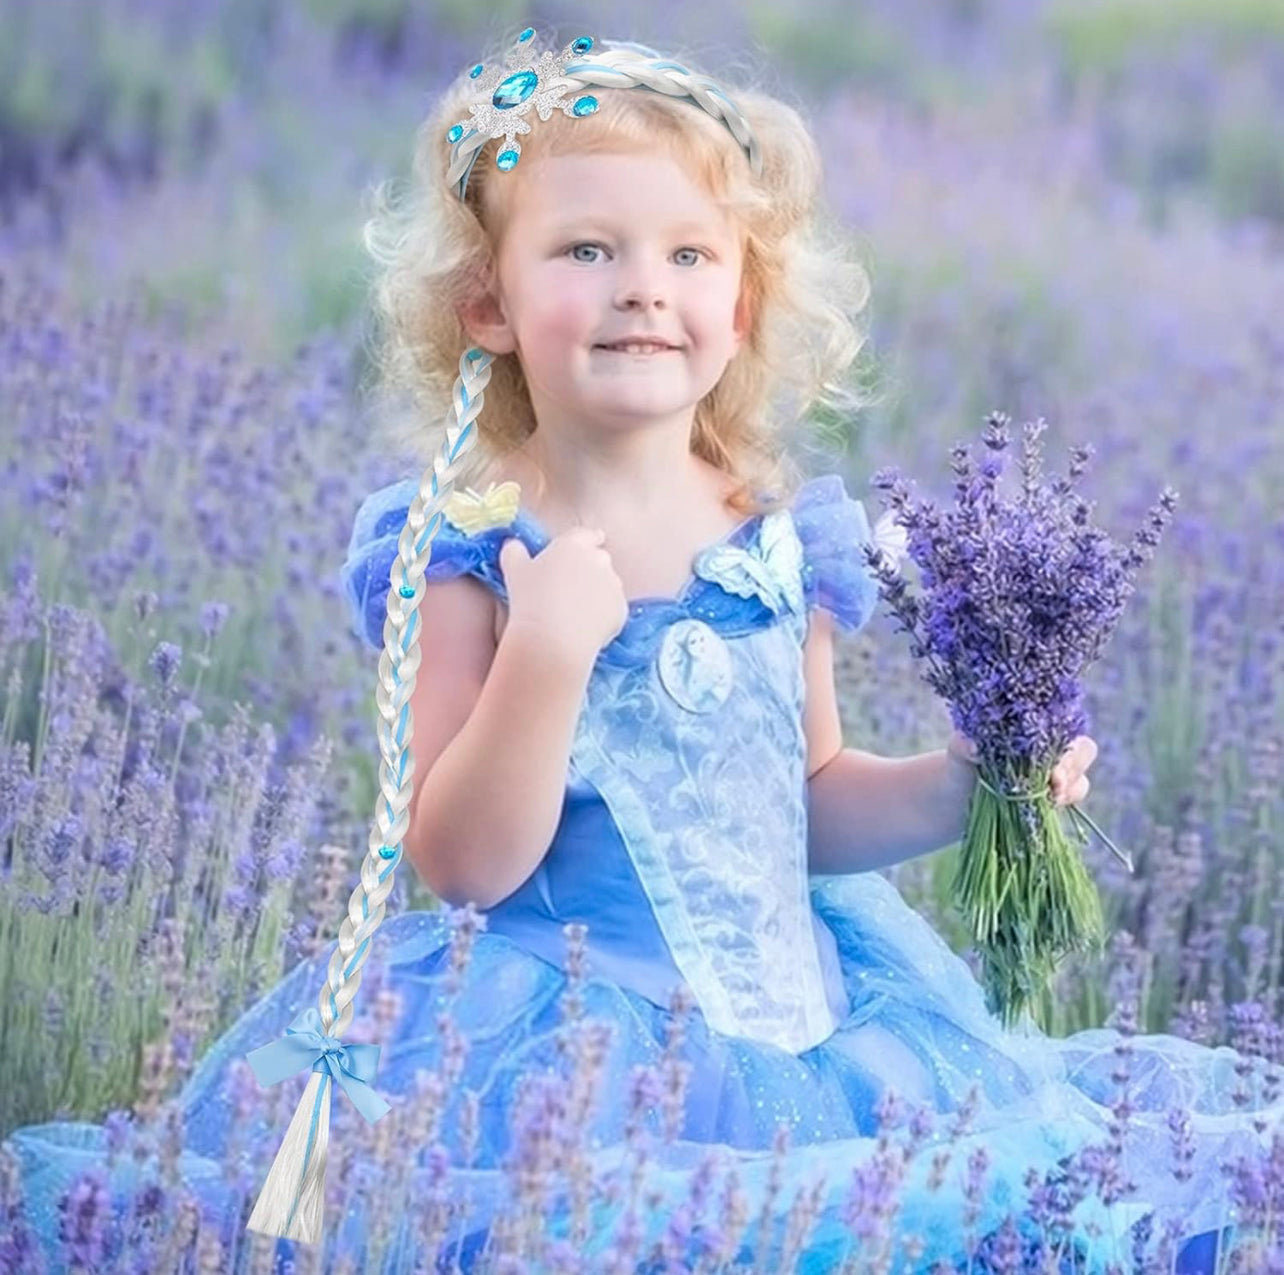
639, 406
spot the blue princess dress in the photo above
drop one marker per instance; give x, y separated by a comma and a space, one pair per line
682, 845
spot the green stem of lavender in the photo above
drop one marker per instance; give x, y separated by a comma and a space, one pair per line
1026, 897
1077, 814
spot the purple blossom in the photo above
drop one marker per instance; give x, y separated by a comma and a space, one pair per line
84, 1214
164, 661
117, 1126
1018, 597
213, 618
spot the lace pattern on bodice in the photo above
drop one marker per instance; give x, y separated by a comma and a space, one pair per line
711, 806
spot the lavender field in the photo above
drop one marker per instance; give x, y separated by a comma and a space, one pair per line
1072, 211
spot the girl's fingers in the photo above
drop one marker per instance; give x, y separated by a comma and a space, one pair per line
1074, 761
1071, 795
1062, 778
1084, 749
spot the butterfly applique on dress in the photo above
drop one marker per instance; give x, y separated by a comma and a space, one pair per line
694, 664
471, 512
771, 569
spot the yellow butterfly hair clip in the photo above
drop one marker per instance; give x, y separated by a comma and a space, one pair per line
472, 513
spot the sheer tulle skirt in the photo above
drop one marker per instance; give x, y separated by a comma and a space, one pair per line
916, 1027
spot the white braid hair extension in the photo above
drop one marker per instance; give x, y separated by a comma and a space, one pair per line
623, 69
292, 1201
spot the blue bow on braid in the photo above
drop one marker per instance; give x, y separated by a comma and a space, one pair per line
305, 1044
507, 94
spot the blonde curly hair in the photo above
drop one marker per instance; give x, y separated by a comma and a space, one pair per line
802, 278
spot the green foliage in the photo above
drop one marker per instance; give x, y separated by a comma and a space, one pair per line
389, 15
59, 70
1247, 169
842, 45
1219, 139
1102, 35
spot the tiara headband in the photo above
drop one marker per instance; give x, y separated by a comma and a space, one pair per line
292, 1201
549, 82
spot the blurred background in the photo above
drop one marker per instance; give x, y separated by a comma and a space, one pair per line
1071, 210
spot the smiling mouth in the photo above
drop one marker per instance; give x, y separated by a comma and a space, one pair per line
638, 348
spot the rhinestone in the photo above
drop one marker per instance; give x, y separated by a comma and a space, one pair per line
583, 44
526, 35
514, 90
505, 160
455, 133
387, 852
406, 591
475, 72
585, 105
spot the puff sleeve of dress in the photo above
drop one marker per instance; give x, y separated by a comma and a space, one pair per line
366, 575
833, 527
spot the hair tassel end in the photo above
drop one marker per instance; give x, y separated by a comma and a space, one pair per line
292, 1202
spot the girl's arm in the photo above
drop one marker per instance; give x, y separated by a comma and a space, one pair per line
490, 805
866, 812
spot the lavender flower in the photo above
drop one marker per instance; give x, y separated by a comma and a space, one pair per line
1018, 598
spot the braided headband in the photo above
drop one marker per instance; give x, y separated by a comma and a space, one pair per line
292, 1201
505, 97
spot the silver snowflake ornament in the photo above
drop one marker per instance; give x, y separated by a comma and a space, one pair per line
507, 94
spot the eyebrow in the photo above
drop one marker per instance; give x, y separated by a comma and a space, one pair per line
600, 223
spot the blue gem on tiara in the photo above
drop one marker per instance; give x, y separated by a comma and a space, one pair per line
455, 133
476, 71
506, 96
514, 90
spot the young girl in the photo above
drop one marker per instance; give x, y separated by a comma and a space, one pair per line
624, 714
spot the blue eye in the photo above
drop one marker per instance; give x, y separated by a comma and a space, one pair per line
574, 250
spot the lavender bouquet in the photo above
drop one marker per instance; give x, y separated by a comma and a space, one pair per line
1018, 597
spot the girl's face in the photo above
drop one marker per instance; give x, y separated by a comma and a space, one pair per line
600, 248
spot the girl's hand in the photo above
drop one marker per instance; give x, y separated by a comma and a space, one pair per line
568, 591
1068, 783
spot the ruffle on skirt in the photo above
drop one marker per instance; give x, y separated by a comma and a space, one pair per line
917, 1026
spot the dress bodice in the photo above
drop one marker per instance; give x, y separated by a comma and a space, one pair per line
682, 842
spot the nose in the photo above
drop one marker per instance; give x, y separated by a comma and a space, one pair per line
640, 298
640, 289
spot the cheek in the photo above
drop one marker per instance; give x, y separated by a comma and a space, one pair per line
717, 307
565, 310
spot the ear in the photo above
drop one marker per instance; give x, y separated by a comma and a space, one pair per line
484, 320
